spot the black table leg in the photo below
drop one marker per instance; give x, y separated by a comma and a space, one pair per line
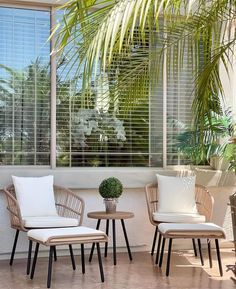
14, 247
162, 251
107, 232
218, 257
154, 241
200, 251
72, 257
126, 239
34, 260
209, 252
168, 258
29, 257
51, 252
93, 245
114, 240
158, 248
82, 258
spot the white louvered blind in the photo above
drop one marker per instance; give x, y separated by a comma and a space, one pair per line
156, 103
24, 87
96, 129
180, 86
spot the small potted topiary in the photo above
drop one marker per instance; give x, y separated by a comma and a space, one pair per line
110, 189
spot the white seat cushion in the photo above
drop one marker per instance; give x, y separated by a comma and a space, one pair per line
203, 230
43, 235
49, 222
178, 218
176, 194
35, 196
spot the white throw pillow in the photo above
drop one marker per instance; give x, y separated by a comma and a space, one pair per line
176, 194
35, 195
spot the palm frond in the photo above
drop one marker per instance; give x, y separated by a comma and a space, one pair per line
100, 30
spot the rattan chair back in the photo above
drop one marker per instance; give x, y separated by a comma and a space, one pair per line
204, 201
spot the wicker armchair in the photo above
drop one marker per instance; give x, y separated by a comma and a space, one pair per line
68, 205
204, 203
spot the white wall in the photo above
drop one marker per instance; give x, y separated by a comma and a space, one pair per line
88, 178
229, 79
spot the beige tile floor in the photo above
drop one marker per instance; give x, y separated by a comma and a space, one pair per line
186, 272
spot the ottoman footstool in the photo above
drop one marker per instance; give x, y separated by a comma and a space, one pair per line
190, 231
66, 236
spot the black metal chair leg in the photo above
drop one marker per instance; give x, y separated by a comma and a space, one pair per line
72, 257
34, 260
29, 257
126, 239
14, 248
114, 240
200, 251
55, 254
168, 258
194, 247
100, 262
209, 252
93, 245
107, 232
51, 252
162, 251
218, 257
82, 258
158, 248
154, 241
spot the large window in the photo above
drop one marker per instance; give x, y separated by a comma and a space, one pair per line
93, 128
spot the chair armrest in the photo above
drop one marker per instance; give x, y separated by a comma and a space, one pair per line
14, 210
67, 211
204, 202
68, 204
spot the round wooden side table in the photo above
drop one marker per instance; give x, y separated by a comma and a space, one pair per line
119, 215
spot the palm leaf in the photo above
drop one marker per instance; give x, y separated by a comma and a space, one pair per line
101, 30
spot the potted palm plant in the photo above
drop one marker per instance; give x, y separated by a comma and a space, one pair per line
215, 148
110, 189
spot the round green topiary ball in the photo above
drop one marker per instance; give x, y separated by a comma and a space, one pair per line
111, 188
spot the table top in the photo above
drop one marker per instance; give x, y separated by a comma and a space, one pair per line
117, 215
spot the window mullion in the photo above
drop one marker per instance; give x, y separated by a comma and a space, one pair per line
53, 93
13, 109
35, 103
164, 151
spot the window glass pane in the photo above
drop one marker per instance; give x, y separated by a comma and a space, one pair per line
24, 87
156, 103
94, 128
180, 87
